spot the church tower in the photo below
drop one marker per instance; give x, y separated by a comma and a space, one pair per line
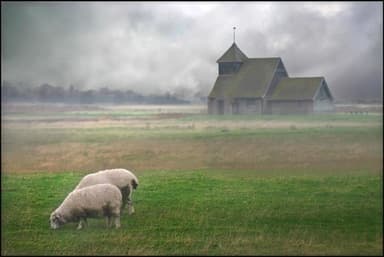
232, 59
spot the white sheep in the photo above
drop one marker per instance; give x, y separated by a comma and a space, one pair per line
89, 202
124, 179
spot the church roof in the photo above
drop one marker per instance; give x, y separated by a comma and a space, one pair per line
233, 54
252, 80
296, 88
255, 76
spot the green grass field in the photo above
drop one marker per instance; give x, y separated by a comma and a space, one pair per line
204, 213
269, 185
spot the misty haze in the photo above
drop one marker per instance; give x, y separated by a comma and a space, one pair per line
172, 48
247, 128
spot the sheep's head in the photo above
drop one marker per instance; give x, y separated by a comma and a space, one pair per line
56, 220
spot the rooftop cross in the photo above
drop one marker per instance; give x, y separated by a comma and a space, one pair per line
234, 34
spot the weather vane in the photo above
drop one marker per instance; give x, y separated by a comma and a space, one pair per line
234, 34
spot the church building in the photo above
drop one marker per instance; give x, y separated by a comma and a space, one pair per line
262, 86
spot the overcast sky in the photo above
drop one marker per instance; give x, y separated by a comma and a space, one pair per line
155, 47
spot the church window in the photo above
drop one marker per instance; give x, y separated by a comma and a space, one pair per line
228, 67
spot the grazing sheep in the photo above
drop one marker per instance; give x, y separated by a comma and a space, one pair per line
92, 201
125, 180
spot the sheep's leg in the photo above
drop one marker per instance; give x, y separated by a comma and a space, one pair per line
125, 193
131, 209
82, 220
115, 215
107, 221
79, 226
85, 222
117, 221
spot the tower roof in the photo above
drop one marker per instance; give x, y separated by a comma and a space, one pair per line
233, 54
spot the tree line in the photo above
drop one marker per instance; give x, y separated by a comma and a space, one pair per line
47, 93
